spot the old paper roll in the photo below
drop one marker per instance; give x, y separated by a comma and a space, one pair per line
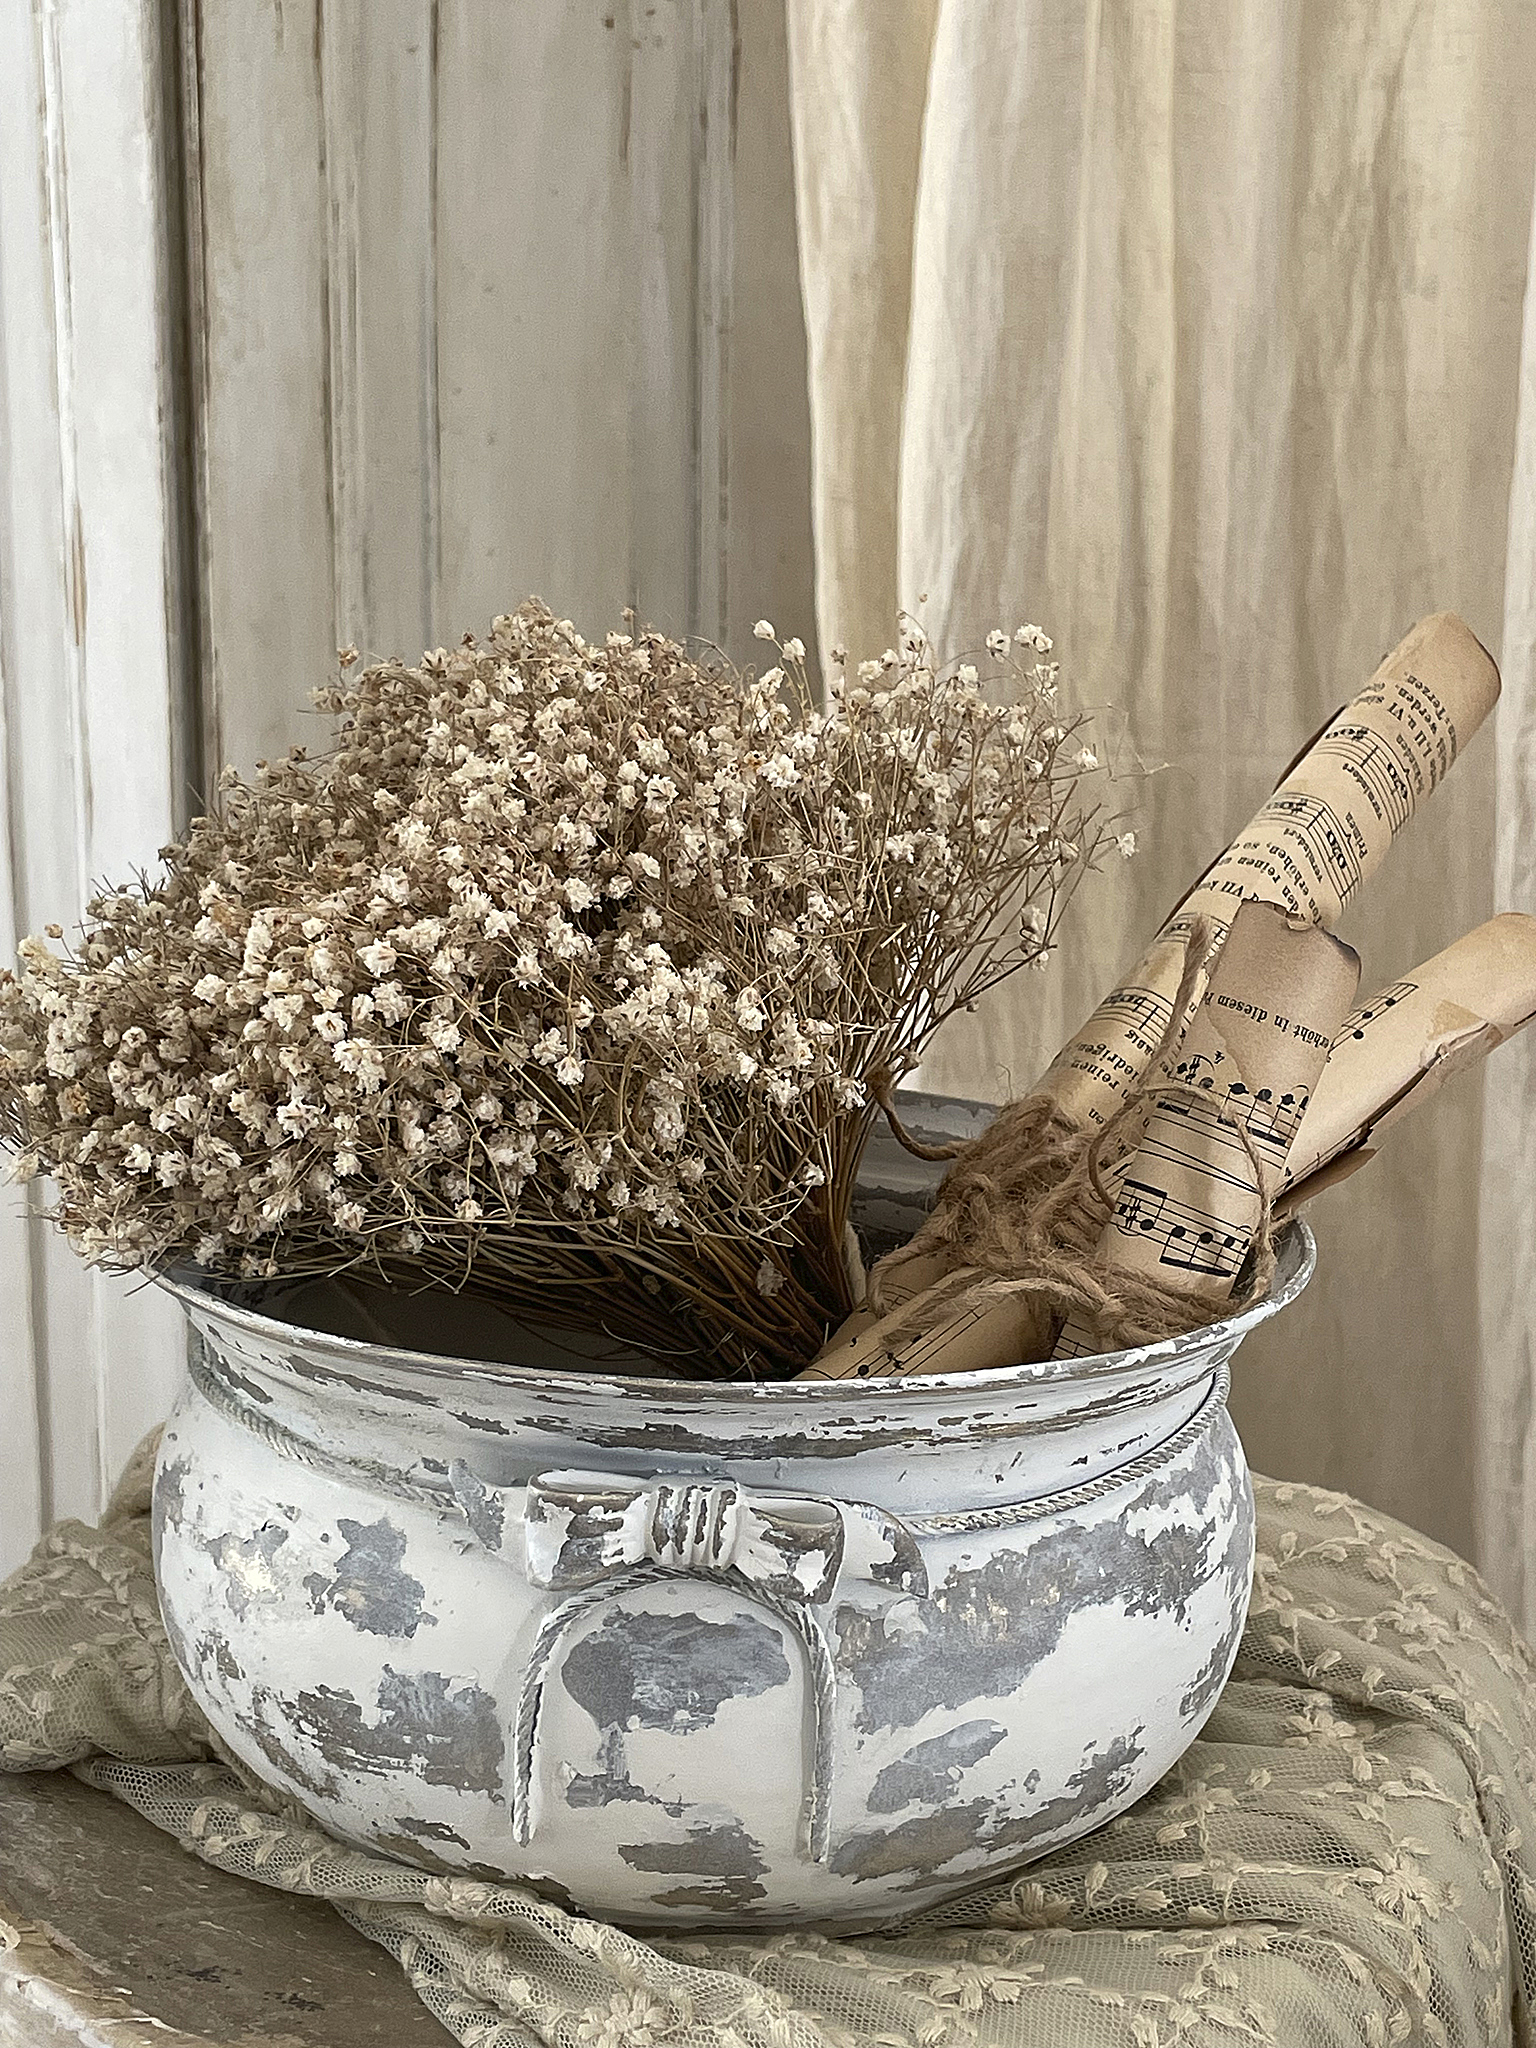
1216, 1141
1192, 1198
1323, 831
1395, 1051
1321, 834
979, 1334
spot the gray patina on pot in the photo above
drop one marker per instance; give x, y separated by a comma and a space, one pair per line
716, 1654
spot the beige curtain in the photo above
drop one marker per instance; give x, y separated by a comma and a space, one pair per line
1192, 330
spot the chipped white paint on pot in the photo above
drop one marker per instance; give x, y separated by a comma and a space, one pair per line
708, 1654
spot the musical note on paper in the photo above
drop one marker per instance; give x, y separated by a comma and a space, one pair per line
1205, 1250
1132, 1022
1318, 839
1143, 1013
924, 1353
1358, 1022
1198, 1135
987, 1331
1396, 1050
1376, 770
1270, 1116
1140, 1207
1308, 853
1370, 767
1216, 1136
1189, 1239
1199, 1070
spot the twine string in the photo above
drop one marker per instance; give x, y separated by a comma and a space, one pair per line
1023, 1209
882, 1088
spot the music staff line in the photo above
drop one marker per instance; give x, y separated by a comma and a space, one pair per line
1358, 1022
1271, 1120
1372, 763
1187, 1238
1316, 829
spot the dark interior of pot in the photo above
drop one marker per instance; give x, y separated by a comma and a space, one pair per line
896, 1189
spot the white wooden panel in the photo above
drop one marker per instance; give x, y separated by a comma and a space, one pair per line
33, 599
667, 169
258, 233
378, 92
90, 652
480, 319
560, 303
767, 437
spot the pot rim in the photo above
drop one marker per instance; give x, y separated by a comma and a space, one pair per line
1296, 1243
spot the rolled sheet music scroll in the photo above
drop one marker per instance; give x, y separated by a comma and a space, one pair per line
1215, 1144
1395, 1051
1322, 833
1191, 1200
975, 1336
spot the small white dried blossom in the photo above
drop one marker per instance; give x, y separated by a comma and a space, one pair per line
1125, 845
763, 630
567, 969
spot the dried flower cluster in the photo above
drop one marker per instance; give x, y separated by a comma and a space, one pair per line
571, 973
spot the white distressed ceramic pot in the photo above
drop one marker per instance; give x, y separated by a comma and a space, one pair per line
707, 1654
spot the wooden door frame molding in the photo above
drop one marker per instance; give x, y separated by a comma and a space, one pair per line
96, 680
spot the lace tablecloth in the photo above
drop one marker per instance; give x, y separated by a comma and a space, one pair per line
1347, 1856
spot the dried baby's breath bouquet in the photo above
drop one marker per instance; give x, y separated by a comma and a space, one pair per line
573, 974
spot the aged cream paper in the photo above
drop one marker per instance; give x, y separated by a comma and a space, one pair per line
1215, 1143
1395, 1051
983, 1332
1193, 1194
1322, 833
1324, 830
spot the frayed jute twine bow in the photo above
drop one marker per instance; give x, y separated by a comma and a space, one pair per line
1023, 1209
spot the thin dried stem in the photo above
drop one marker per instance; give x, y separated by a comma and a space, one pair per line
564, 976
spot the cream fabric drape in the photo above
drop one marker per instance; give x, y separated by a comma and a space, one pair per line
1192, 330
1506, 1438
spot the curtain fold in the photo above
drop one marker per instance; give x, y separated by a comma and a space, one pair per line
859, 83
1193, 331
1506, 1441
